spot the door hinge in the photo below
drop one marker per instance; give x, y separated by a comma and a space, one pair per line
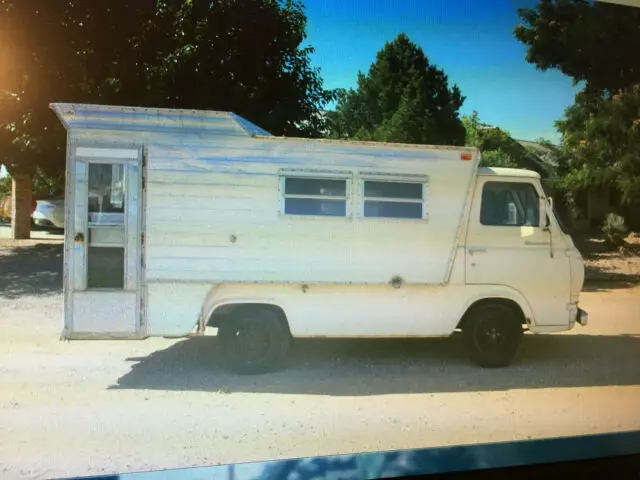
143, 169
142, 264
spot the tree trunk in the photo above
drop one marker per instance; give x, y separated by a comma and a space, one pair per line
20, 206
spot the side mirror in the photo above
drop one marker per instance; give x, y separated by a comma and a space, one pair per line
546, 209
542, 213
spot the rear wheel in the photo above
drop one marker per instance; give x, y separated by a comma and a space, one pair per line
492, 335
254, 340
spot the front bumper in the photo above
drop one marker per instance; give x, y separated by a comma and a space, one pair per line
582, 317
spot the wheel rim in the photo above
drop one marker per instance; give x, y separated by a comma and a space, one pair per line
251, 342
492, 336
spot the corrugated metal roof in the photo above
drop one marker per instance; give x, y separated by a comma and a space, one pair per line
107, 117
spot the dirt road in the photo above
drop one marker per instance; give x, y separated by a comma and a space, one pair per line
89, 407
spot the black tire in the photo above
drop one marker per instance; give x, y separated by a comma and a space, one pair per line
492, 335
254, 340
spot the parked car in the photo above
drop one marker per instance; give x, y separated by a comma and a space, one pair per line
49, 213
5, 207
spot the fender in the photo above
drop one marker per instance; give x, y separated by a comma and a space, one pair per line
482, 292
222, 295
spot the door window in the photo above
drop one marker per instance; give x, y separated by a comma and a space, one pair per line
106, 194
510, 204
106, 203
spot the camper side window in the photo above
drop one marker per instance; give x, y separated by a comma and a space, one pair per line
391, 199
509, 204
315, 196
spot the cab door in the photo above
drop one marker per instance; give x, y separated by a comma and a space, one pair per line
506, 246
103, 247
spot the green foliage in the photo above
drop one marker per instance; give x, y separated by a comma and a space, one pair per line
497, 158
615, 230
403, 98
5, 186
595, 43
602, 138
483, 137
48, 185
244, 57
44, 185
592, 42
497, 147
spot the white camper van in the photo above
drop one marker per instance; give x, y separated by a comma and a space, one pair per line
179, 221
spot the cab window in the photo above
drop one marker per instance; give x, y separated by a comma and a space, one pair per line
510, 204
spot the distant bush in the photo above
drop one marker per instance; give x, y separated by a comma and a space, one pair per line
5, 186
615, 230
497, 158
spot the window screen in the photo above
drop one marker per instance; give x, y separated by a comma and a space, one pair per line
315, 196
391, 199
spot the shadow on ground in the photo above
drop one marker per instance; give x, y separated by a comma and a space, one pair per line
34, 269
616, 281
378, 367
601, 276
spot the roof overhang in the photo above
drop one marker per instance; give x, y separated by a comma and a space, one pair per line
107, 117
626, 3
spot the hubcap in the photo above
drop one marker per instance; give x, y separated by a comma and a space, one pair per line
491, 336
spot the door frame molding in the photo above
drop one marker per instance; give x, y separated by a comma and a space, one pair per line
117, 150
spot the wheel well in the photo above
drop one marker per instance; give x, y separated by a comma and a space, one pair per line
225, 312
505, 302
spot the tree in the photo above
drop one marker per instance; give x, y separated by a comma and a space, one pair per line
244, 57
55, 51
483, 137
603, 136
497, 158
497, 147
592, 42
403, 98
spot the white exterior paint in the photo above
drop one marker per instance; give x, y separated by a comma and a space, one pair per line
111, 153
215, 233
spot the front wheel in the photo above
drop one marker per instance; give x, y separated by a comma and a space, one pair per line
492, 335
254, 340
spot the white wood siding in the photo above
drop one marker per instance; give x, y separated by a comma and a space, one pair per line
204, 189
199, 195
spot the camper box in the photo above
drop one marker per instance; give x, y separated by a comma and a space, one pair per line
180, 221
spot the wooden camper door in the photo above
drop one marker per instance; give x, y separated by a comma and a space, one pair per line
104, 258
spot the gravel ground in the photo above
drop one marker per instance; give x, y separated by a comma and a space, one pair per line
84, 408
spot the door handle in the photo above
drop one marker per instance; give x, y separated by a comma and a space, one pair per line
477, 250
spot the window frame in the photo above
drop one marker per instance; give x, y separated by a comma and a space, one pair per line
422, 180
516, 199
310, 174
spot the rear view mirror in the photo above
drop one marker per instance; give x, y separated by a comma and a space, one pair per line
542, 217
546, 209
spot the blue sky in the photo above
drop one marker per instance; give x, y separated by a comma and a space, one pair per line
471, 40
